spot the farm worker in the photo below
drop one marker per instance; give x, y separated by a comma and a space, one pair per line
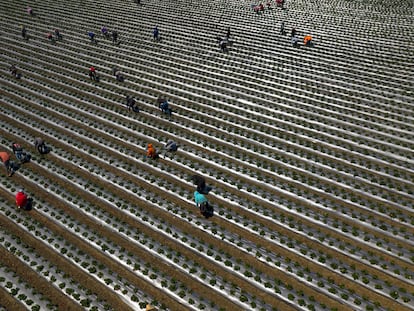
307, 40
5, 158
151, 153
156, 33
40, 145
21, 199
171, 146
199, 198
114, 36
92, 73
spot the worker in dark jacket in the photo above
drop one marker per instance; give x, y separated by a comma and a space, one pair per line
170, 147
58, 34
91, 35
156, 33
105, 32
40, 145
20, 154
15, 72
114, 36
24, 33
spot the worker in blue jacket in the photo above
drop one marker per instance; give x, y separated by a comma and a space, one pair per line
199, 198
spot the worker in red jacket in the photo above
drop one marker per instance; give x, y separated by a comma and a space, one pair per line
21, 199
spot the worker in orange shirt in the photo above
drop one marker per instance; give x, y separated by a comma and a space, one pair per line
151, 153
5, 158
307, 40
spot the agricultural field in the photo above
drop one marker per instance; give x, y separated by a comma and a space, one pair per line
309, 152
